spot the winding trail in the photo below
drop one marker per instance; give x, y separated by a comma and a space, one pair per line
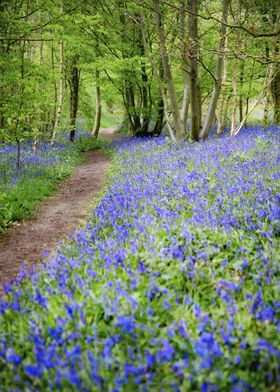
56, 217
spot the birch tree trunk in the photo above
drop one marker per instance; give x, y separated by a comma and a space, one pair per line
60, 97
179, 131
217, 87
97, 120
193, 55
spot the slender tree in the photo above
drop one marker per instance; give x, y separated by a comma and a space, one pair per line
97, 121
60, 95
185, 64
218, 78
193, 56
74, 78
178, 125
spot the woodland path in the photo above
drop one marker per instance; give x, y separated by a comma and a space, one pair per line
56, 217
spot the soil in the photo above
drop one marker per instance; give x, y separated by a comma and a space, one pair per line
56, 217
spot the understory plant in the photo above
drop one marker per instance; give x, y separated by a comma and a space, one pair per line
23, 187
172, 285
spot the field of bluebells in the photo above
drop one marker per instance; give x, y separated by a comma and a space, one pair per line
172, 285
21, 188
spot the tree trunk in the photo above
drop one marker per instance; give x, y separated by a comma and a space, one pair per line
41, 46
241, 79
74, 94
160, 118
267, 84
193, 55
40, 115
146, 104
21, 89
179, 131
220, 107
217, 87
159, 75
133, 115
36, 140
268, 91
55, 89
97, 120
160, 111
234, 97
185, 65
225, 114
2, 90
249, 91
60, 98
275, 89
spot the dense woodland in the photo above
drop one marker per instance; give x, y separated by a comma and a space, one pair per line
184, 65
171, 281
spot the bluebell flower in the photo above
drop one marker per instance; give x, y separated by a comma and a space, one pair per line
33, 370
12, 357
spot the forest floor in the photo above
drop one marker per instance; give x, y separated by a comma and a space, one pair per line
56, 217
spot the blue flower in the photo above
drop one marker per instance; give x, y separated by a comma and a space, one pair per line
13, 357
125, 323
33, 371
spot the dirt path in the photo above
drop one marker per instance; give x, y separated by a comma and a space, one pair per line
56, 217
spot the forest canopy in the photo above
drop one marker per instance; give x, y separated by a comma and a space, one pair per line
186, 66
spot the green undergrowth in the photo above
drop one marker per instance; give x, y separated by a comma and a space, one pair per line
86, 143
19, 200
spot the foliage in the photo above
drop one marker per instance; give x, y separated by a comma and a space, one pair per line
87, 143
172, 285
37, 178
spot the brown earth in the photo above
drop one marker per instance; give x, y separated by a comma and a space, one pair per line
56, 217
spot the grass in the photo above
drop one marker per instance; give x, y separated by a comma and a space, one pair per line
39, 176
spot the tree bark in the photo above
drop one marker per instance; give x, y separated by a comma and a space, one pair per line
193, 55
97, 120
160, 118
217, 87
275, 89
179, 131
220, 106
41, 114
21, 89
241, 80
54, 87
249, 92
234, 97
60, 97
74, 94
159, 75
145, 104
268, 91
185, 65
133, 115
